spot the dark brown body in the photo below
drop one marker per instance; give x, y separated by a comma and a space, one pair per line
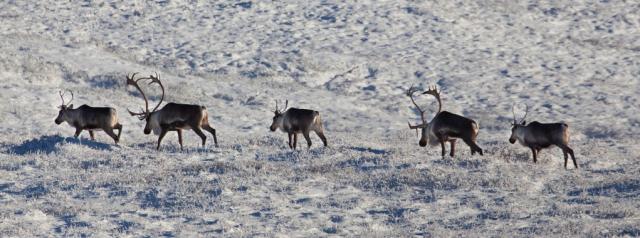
447, 127
178, 117
537, 136
91, 118
295, 121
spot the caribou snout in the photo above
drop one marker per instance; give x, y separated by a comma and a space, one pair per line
57, 121
512, 141
422, 143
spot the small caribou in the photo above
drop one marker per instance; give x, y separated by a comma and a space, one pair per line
89, 118
445, 126
538, 135
294, 121
173, 116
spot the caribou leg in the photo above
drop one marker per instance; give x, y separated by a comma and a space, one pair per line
290, 144
442, 139
474, 147
573, 157
78, 131
295, 140
566, 150
199, 132
119, 127
321, 135
535, 155
307, 138
453, 148
179, 131
212, 131
109, 132
91, 135
163, 132
442, 146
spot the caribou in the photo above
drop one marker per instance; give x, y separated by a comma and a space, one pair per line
172, 117
294, 121
538, 136
89, 118
445, 126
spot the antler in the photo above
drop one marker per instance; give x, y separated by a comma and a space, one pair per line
286, 104
526, 111
434, 91
410, 93
145, 111
62, 97
513, 111
156, 79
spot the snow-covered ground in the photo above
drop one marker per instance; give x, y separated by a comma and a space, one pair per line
571, 61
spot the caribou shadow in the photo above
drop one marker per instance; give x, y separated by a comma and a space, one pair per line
370, 150
48, 144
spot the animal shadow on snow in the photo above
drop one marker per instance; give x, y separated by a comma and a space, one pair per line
32, 191
621, 189
171, 148
365, 164
48, 143
369, 150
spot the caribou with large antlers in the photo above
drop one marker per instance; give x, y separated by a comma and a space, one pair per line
294, 121
89, 118
538, 136
445, 126
173, 116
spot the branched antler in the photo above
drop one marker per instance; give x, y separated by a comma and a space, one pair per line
526, 111
434, 91
156, 79
513, 111
144, 112
286, 104
412, 90
62, 97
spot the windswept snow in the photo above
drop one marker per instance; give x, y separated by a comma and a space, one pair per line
571, 61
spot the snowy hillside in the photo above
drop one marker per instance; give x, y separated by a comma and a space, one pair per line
571, 61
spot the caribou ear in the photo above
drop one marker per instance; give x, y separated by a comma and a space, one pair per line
524, 123
70, 106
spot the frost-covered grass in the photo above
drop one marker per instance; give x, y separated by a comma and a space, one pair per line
575, 62
257, 187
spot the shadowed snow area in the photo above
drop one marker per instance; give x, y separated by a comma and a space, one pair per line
572, 61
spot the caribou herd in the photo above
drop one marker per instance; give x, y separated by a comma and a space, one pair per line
443, 127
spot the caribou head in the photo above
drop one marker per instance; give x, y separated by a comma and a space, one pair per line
516, 125
278, 118
64, 108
